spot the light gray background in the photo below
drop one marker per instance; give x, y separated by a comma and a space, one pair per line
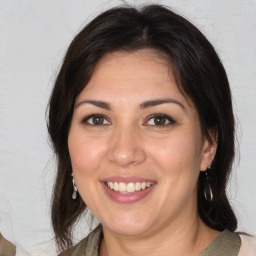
34, 36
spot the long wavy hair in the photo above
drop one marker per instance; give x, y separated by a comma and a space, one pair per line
199, 75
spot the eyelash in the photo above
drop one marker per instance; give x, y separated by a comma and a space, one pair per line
160, 115
170, 120
86, 119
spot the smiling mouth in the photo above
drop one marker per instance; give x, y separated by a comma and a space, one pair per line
128, 188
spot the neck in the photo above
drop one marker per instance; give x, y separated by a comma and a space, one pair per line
176, 239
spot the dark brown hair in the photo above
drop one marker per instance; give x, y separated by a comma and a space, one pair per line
199, 75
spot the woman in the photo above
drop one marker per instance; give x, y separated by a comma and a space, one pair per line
141, 121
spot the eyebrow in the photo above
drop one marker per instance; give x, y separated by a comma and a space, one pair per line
155, 102
97, 103
143, 105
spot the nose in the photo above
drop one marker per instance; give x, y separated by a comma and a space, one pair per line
126, 148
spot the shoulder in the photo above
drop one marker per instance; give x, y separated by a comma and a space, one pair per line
248, 246
6, 247
226, 243
88, 246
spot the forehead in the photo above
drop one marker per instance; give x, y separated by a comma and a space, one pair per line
134, 64
143, 72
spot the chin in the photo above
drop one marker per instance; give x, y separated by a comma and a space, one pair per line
128, 230
128, 226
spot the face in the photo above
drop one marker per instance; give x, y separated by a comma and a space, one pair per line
136, 146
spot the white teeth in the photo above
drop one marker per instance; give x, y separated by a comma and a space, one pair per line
116, 187
129, 187
122, 187
138, 186
111, 185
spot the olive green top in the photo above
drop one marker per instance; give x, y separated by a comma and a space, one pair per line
226, 244
6, 247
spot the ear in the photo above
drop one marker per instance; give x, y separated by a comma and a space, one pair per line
209, 150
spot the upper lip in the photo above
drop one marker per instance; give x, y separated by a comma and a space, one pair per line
126, 179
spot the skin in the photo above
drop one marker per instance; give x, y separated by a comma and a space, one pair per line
128, 141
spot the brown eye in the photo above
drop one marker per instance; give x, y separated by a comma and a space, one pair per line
95, 120
160, 120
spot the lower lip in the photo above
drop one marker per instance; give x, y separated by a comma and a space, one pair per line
127, 198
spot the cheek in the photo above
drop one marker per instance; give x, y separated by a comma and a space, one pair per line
178, 153
85, 154
178, 162
86, 157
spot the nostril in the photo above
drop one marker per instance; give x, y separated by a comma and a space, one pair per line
125, 148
